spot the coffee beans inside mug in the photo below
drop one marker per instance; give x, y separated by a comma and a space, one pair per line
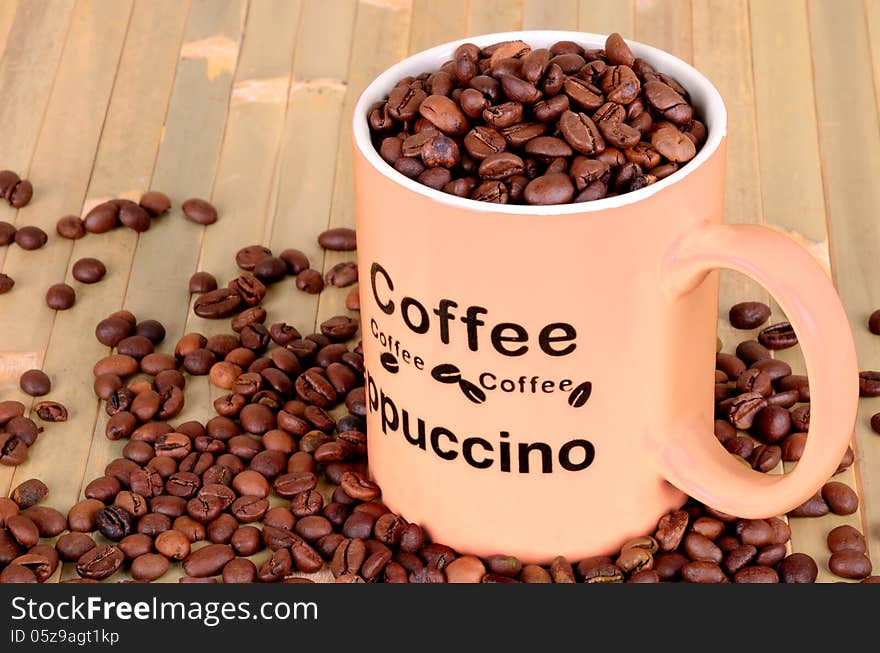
509, 123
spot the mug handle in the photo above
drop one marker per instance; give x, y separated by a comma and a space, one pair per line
697, 463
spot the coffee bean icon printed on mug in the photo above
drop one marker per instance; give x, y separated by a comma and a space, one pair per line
606, 165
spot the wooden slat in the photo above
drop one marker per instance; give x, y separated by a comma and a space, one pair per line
189, 147
553, 14
314, 60
607, 16
713, 51
305, 180
123, 166
25, 96
247, 160
7, 16
847, 115
666, 24
62, 165
790, 168
431, 27
381, 37
790, 157
487, 16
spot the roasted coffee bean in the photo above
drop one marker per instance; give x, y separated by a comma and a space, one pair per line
701, 571
730, 365
202, 282
100, 562
133, 216
815, 506
7, 233
754, 380
798, 568
841, 498
778, 336
71, 546
218, 304
869, 384
71, 227
88, 270
846, 538
756, 574
772, 424
270, 270
36, 383
599, 569
6, 283
208, 560
29, 493
155, 203
310, 281
60, 297
752, 351
748, 315
30, 238
199, 211
741, 411
850, 564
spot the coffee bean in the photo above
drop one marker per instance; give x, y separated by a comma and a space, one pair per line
217, 304
311, 281
60, 297
748, 315
342, 274
772, 424
742, 410
133, 216
778, 336
270, 270
6, 283
599, 569
88, 270
155, 203
846, 538
841, 498
850, 564
199, 211
100, 562
671, 529
730, 365
35, 383
869, 384
51, 411
202, 282
815, 506
7, 233
30, 238
752, 351
71, 227
756, 574
29, 493
21, 194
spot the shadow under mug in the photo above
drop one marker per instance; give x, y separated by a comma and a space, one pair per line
539, 378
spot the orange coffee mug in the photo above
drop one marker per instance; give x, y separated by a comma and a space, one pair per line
539, 378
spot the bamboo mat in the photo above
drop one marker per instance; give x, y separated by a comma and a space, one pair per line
248, 102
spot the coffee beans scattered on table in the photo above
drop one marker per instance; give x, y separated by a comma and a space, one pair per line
511, 124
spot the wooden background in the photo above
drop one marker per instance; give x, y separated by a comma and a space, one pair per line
248, 103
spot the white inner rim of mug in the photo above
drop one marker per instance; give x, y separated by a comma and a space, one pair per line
704, 97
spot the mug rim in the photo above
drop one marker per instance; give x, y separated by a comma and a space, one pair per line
711, 105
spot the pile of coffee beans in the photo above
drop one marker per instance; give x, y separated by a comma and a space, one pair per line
511, 124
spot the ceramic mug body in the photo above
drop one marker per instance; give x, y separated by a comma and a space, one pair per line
531, 373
